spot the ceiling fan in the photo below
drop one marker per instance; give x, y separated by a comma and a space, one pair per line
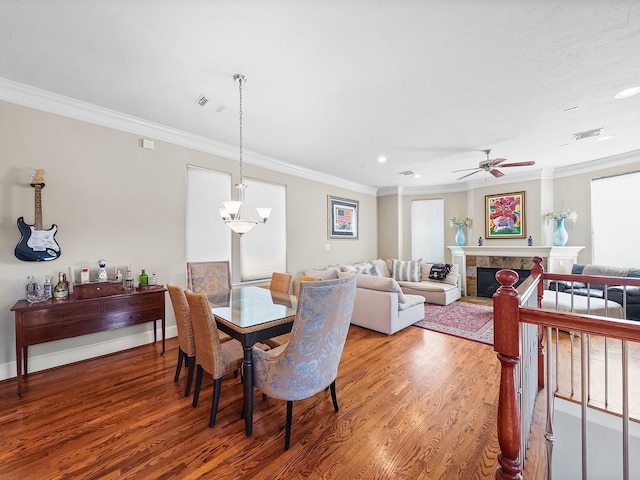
489, 165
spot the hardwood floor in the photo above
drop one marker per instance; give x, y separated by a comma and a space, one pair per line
414, 405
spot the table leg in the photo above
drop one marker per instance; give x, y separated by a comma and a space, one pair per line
19, 361
247, 373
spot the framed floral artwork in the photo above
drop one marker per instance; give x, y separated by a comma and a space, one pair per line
504, 215
342, 218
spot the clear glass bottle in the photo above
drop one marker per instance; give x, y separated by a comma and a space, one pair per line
128, 280
32, 288
154, 279
48, 287
144, 278
61, 291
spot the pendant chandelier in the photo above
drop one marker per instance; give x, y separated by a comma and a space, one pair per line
232, 212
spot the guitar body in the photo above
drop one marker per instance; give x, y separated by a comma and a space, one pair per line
36, 245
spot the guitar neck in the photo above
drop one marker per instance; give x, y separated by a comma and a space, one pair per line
38, 207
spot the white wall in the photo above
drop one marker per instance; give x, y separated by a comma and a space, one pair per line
112, 199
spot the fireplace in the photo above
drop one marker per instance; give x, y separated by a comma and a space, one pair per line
487, 283
513, 257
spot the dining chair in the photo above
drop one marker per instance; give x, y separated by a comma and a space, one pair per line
211, 278
282, 339
305, 278
280, 282
309, 362
215, 357
186, 342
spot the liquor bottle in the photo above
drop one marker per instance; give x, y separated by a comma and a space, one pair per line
32, 288
144, 278
61, 291
128, 280
48, 287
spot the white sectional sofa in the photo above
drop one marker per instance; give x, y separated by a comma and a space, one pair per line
387, 305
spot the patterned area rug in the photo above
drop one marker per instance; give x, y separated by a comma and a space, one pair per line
460, 319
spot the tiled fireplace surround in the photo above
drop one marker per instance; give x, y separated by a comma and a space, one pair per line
554, 260
493, 261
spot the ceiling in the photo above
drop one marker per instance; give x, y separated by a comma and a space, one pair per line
333, 85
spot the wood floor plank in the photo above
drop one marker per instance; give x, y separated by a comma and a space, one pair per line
414, 405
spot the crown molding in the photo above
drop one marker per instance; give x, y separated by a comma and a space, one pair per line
39, 99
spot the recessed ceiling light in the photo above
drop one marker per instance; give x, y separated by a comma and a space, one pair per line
629, 92
417, 175
382, 159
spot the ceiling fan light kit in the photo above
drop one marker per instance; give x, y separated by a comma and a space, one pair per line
489, 165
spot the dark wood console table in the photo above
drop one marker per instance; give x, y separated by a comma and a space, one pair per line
92, 308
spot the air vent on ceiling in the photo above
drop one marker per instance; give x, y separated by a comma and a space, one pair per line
407, 172
203, 101
587, 134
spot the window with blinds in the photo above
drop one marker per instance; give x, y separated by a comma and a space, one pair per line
613, 219
427, 230
263, 250
208, 238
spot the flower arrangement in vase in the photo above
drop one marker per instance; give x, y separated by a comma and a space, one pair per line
459, 223
560, 235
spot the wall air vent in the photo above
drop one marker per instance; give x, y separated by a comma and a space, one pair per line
587, 134
407, 172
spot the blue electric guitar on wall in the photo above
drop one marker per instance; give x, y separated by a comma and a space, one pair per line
36, 244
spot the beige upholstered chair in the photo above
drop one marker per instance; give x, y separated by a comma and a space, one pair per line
211, 278
308, 363
280, 282
214, 357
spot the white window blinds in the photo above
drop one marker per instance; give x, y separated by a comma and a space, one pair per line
427, 230
208, 238
263, 250
614, 220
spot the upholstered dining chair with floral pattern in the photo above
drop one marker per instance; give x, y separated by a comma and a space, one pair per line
215, 357
308, 363
211, 278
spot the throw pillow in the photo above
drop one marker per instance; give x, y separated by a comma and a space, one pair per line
406, 271
383, 268
370, 270
439, 271
383, 284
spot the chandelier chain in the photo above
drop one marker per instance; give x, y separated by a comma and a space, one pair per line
240, 82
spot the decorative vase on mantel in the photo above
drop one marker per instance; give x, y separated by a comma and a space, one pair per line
460, 238
560, 235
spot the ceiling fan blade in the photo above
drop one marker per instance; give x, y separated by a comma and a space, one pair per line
468, 175
518, 164
496, 161
496, 173
465, 170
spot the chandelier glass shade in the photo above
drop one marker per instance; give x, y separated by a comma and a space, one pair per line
233, 212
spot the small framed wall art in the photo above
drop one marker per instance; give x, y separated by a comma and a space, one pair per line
342, 217
504, 215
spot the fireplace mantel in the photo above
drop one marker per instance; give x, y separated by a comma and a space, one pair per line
516, 251
555, 260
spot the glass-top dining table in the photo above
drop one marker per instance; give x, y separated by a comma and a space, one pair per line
250, 315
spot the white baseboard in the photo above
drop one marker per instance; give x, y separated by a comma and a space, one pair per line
71, 355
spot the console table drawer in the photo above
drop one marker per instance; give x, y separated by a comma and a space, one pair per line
57, 330
125, 319
132, 303
60, 312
